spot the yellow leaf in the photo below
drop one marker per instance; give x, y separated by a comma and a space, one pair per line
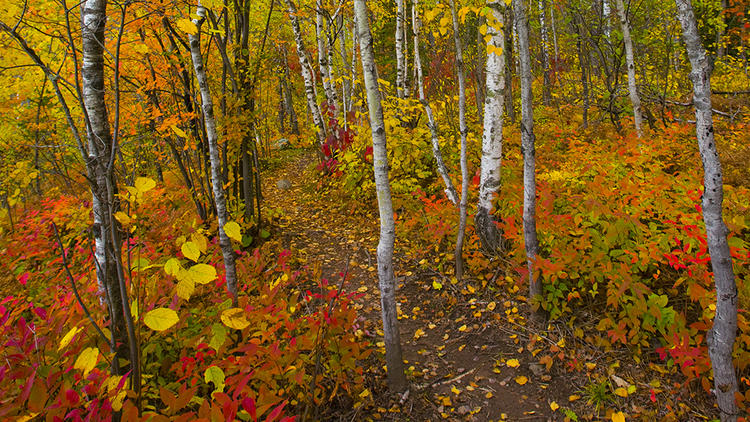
216, 375
187, 26
521, 380
573, 397
234, 318
202, 273
462, 328
179, 132
232, 230
185, 288
123, 218
436, 285
455, 390
590, 365
87, 360
618, 417
621, 392
554, 406
160, 319
513, 363
200, 241
488, 395
144, 184
419, 333
68, 337
191, 251
491, 306
364, 393
172, 267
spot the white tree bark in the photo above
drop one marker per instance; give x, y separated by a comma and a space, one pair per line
394, 361
225, 243
529, 156
307, 75
722, 335
464, 146
492, 137
450, 190
400, 59
324, 56
546, 94
630, 62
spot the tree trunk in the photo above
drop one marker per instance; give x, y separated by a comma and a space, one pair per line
215, 161
632, 87
464, 146
288, 101
450, 190
529, 157
400, 59
492, 138
546, 89
394, 361
583, 63
323, 64
720, 48
722, 335
510, 109
307, 76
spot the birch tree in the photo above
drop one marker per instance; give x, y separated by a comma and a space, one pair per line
307, 75
630, 62
531, 242
464, 132
492, 136
400, 58
450, 190
721, 336
394, 361
324, 56
225, 243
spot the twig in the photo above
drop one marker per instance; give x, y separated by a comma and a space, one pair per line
443, 382
75, 289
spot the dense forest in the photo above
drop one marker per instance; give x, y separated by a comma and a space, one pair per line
298, 210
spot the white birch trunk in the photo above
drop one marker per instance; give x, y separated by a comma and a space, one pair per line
307, 74
450, 190
722, 335
492, 137
394, 361
324, 56
464, 146
529, 157
400, 60
630, 62
225, 243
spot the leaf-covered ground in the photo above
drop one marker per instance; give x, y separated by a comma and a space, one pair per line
469, 353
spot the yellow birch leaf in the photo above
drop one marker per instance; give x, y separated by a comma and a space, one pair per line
202, 273
618, 417
232, 230
215, 375
462, 328
185, 288
554, 406
621, 392
172, 267
87, 360
160, 319
68, 337
191, 251
521, 380
491, 306
123, 218
436, 285
144, 184
513, 363
234, 318
200, 241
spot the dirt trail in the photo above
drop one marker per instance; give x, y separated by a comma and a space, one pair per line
460, 353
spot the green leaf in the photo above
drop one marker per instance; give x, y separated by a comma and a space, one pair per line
232, 230
215, 375
247, 240
219, 336
160, 319
87, 360
191, 251
202, 273
264, 234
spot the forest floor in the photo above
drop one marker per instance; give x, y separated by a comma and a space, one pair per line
466, 360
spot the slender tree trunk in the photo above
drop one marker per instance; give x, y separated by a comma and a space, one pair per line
464, 146
720, 48
450, 190
510, 109
722, 335
307, 75
323, 61
583, 63
630, 62
480, 52
529, 157
346, 71
288, 101
546, 89
215, 161
492, 137
400, 59
394, 361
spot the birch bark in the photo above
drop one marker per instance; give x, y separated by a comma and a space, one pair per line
394, 361
492, 137
464, 132
528, 139
722, 335
450, 190
400, 60
630, 62
324, 59
213, 149
307, 76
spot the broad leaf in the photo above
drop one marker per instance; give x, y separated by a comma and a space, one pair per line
160, 319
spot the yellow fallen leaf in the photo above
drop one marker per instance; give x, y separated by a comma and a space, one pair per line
491, 306
364, 393
419, 333
574, 397
488, 395
462, 328
455, 390
436, 285
521, 380
618, 417
513, 363
590, 365
621, 392
554, 406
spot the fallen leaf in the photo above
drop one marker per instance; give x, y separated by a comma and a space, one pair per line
521, 380
554, 406
513, 363
618, 417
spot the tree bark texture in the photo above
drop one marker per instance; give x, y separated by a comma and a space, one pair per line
329, 87
722, 335
400, 58
492, 137
546, 89
464, 146
394, 361
225, 243
630, 62
531, 242
450, 190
